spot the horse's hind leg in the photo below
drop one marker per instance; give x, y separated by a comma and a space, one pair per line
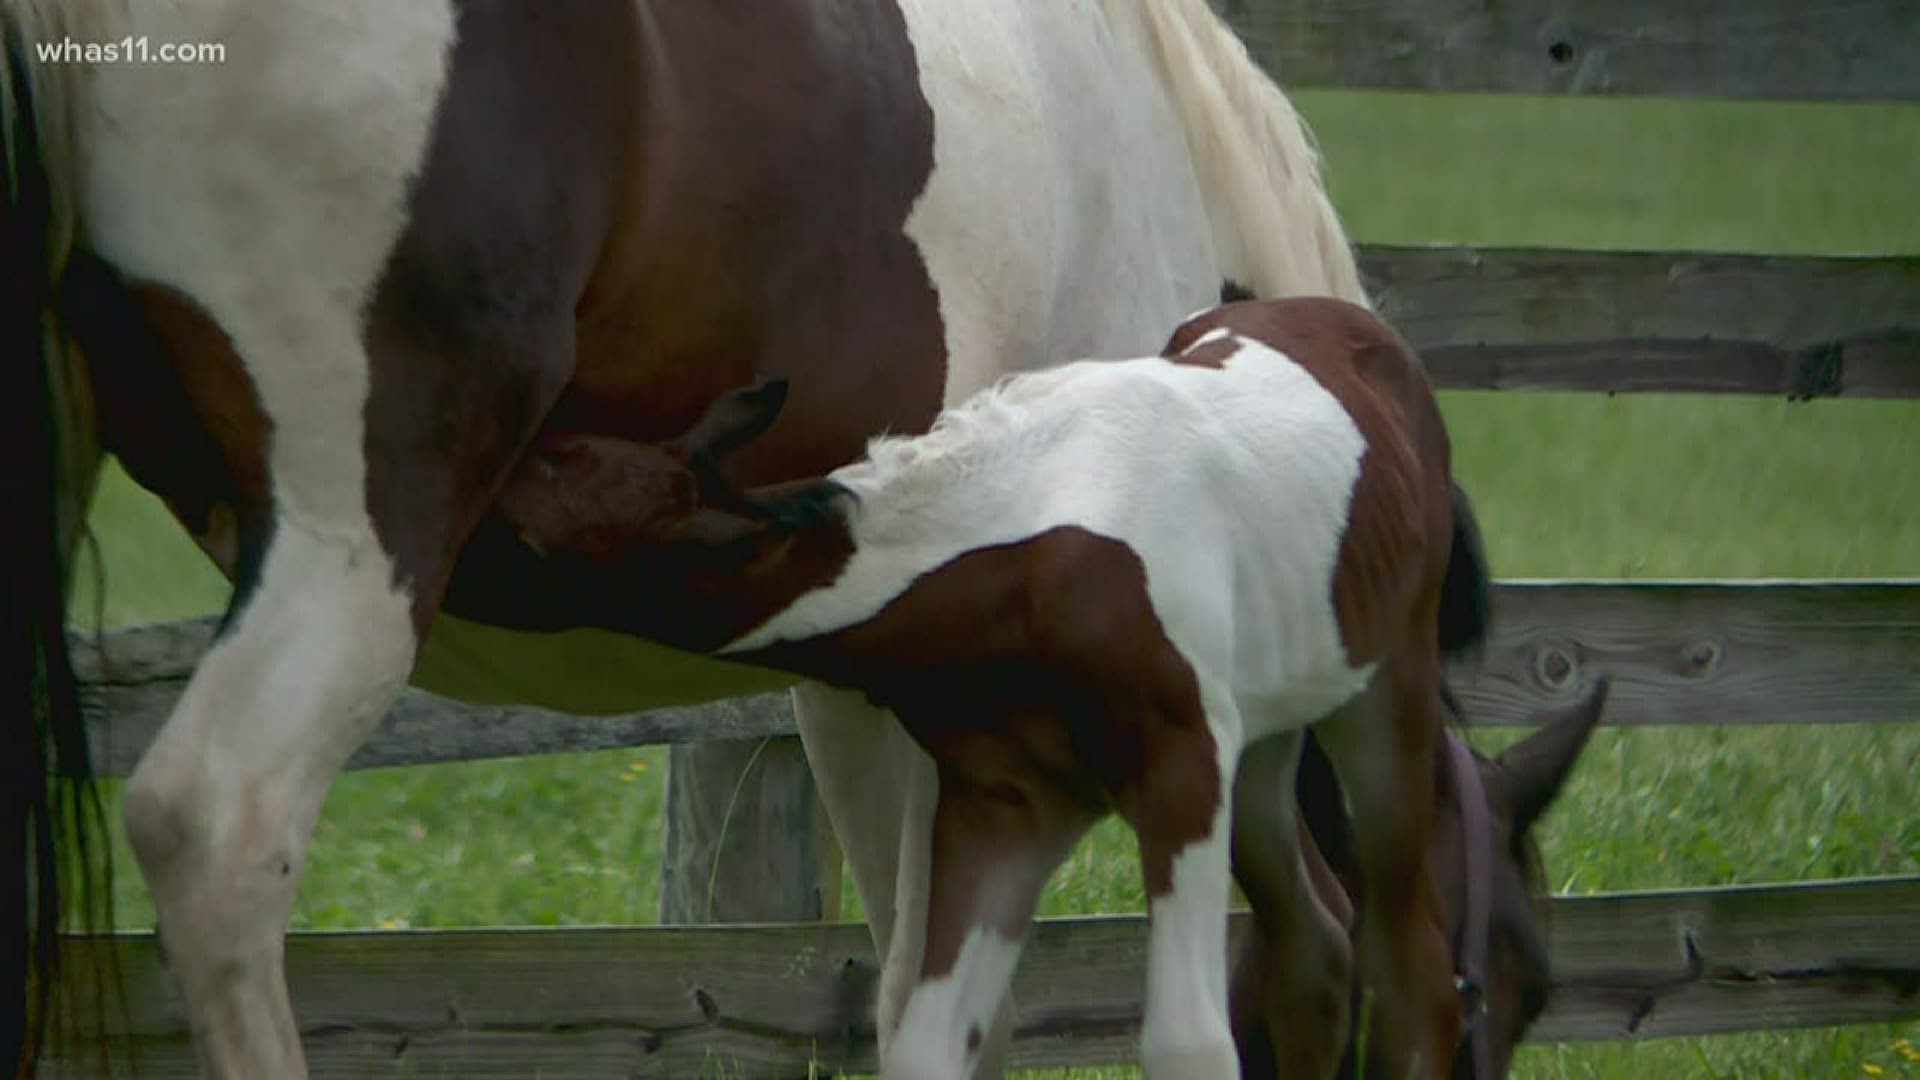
222, 807
1292, 977
375, 488
1383, 745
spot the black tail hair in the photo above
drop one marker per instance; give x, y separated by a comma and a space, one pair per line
1466, 595
49, 811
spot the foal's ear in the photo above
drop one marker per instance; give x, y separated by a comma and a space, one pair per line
1533, 770
735, 419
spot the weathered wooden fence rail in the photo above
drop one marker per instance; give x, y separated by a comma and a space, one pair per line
1513, 319
1854, 50
769, 1000
766, 1001
1679, 653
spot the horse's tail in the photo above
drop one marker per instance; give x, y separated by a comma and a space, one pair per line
51, 836
1466, 593
1273, 226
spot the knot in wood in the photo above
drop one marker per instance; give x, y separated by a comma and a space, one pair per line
1821, 372
1701, 658
1553, 668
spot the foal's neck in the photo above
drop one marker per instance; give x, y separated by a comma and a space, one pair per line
798, 540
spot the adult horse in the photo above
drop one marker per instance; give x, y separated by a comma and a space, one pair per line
329, 287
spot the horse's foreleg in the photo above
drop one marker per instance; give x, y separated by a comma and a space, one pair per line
994, 844
1290, 986
1382, 744
1181, 810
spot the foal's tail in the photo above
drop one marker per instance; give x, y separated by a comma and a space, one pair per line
50, 849
1466, 594
1273, 226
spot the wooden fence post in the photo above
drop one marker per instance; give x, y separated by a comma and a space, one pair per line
746, 839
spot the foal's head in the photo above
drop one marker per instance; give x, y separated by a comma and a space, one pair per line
601, 496
618, 520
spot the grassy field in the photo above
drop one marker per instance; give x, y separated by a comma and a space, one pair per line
1629, 487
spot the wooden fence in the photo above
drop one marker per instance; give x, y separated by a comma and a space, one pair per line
771, 1000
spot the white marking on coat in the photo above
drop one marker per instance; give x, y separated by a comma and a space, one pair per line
271, 189
941, 1013
1063, 217
1218, 333
1186, 1033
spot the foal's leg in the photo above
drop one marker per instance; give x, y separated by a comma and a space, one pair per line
1292, 980
1383, 745
878, 788
996, 840
1181, 811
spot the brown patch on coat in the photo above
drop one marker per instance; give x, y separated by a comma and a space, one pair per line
1399, 527
471, 329
176, 405
726, 201
213, 378
1040, 679
759, 229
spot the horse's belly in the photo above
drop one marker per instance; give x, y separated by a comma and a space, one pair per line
586, 671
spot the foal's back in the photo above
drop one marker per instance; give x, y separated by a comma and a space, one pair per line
1280, 472
1349, 487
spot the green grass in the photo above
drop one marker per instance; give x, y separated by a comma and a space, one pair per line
1566, 485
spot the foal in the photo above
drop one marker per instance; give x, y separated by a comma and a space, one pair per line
1086, 591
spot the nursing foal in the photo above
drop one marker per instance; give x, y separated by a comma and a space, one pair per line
1086, 591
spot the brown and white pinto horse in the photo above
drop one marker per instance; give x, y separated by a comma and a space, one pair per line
329, 287
1088, 590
